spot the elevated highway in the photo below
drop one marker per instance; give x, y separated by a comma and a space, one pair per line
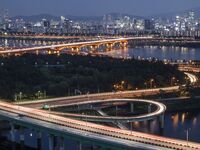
99, 96
193, 78
160, 109
118, 137
189, 69
74, 46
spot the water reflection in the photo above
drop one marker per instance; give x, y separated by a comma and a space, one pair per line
176, 123
194, 122
175, 120
183, 118
174, 53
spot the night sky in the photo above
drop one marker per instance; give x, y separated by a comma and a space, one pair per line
96, 7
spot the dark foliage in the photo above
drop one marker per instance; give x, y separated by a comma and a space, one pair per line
61, 75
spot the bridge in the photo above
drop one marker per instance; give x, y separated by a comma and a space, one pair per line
74, 47
66, 127
104, 96
193, 78
92, 44
98, 96
160, 109
189, 68
62, 127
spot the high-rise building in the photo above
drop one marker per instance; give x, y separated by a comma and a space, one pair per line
148, 25
46, 23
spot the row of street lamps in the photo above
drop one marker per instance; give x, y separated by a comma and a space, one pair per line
19, 96
121, 86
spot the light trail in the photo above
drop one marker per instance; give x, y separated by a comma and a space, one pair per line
193, 78
100, 129
108, 95
72, 44
160, 110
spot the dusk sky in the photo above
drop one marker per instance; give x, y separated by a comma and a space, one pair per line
96, 7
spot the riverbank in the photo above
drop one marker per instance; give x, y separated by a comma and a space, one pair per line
168, 43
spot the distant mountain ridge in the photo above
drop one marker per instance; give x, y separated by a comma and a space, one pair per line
99, 18
36, 17
39, 17
117, 15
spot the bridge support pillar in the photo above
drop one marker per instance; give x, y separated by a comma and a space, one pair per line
123, 45
132, 107
92, 147
149, 125
149, 108
109, 46
12, 135
12, 132
79, 145
58, 53
51, 142
21, 130
116, 109
161, 121
94, 48
62, 143
75, 49
39, 140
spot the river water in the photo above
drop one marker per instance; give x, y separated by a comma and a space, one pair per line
162, 53
177, 122
175, 126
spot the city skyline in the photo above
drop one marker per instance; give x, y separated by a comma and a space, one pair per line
89, 7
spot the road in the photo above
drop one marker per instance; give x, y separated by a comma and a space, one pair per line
99, 96
160, 109
193, 78
75, 133
21, 50
118, 124
100, 130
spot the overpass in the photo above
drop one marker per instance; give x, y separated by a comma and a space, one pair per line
98, 96
193, 78
106, 97
189, 68
160, 109
74, 47
40, 120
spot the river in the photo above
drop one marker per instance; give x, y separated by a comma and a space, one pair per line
177, 122
162, 53
175, 126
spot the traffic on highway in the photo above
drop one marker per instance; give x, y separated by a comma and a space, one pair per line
99, 129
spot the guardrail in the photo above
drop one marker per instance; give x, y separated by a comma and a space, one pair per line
99, 129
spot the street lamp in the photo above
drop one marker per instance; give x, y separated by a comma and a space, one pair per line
88, 96
20, 96
151, 82
38, 94
145, 85
172, 80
